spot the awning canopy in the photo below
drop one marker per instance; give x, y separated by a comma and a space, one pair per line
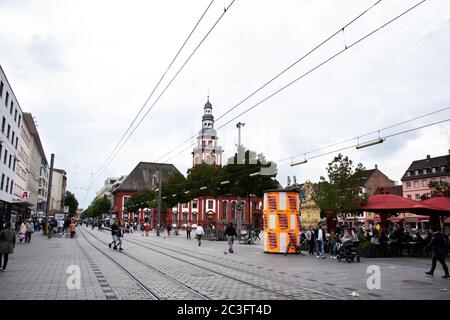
441, 202
392, 204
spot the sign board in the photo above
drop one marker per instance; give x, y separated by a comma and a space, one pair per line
66, 209
60, 216
25, 195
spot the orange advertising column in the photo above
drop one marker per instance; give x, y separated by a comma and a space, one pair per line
281, 220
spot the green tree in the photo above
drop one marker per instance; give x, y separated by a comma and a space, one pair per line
341, 194
99, 207
439, 188
238, 173
139, 200
71, 202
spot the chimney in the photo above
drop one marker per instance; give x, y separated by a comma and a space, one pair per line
376, 166
428, 157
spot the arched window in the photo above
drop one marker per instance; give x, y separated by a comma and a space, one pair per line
224, 210
233, 210
194, 218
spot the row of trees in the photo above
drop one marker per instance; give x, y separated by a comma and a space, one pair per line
206, 179
97, 208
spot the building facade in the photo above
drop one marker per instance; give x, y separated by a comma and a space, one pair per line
420, 173
144, 176
22, 197
11, 117
37, 166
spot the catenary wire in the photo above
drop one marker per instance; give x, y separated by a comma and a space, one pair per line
157, 85
280, 73
165, 89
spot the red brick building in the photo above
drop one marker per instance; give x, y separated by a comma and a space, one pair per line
144, 176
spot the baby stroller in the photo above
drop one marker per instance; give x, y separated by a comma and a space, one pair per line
348, 251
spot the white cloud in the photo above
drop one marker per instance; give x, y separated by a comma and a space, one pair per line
110, 54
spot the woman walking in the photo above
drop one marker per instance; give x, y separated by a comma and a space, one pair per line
22, 231
7, 244
72, 228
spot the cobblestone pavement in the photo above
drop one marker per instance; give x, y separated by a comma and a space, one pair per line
176, 268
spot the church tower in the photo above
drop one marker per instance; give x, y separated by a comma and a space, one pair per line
207, 150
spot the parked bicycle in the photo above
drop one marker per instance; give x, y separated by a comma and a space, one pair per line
302, 247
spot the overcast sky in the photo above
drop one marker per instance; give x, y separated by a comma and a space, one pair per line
85, 68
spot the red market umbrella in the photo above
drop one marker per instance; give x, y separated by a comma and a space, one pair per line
391, 203
443, 203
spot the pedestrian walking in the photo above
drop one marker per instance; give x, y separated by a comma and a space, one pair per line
439, 249
120, 234
230, 232
29, 231
310, 238
114, 231
168, 230
332, 241
22, 231
199, 232
188, 231
147, 228
320, 237
72, 229
7, 244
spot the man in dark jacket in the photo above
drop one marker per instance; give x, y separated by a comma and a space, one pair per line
230, 232
439, 251
321, 238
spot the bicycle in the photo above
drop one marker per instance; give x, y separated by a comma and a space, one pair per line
302, 248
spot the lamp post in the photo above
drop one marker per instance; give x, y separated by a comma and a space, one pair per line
159, 203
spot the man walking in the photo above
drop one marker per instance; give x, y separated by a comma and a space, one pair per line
439, 251
114, 231
320, 240
230, 232
199, 232
188, 231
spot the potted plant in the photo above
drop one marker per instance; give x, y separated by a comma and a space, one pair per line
367, 249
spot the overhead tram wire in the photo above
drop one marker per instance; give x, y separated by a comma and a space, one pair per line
157, 85
171, 81
327, 60
246, 171
165, 89
323, 63
283, 71
366, 134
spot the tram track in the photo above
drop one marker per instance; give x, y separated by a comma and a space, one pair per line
278, 281
139, 282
